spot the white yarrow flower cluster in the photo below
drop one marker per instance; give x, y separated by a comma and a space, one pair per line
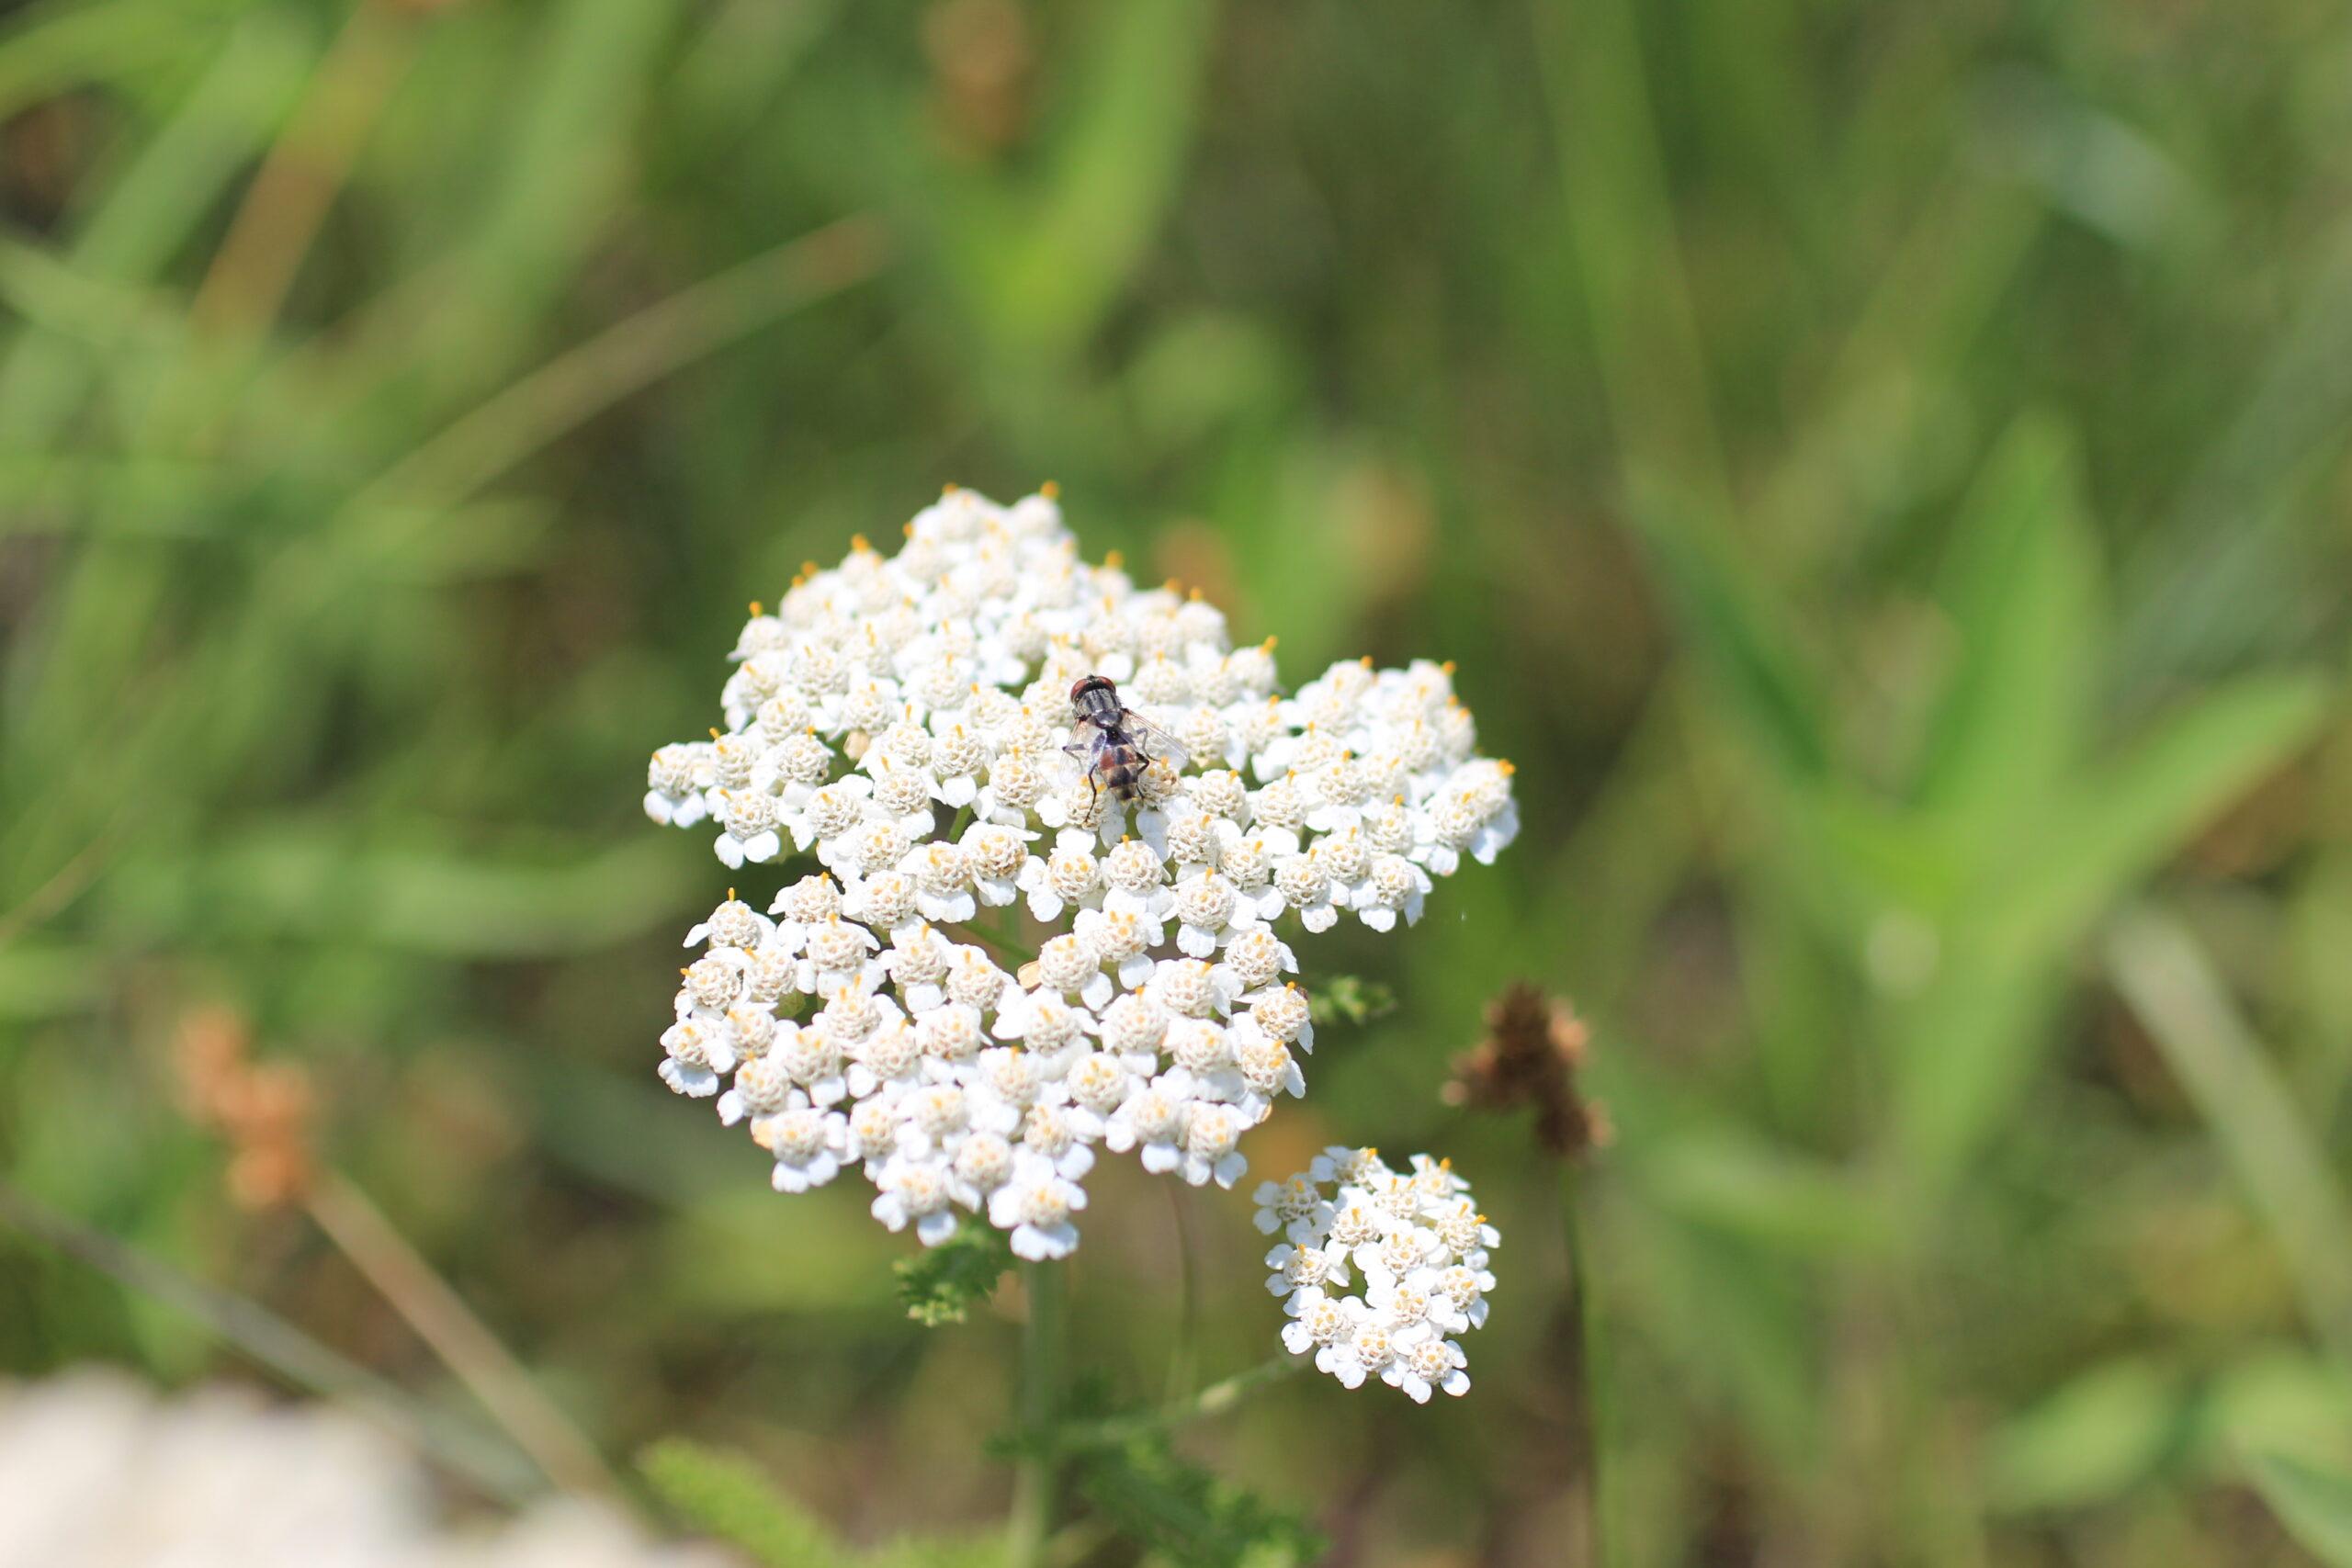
896, 729
1379, 1269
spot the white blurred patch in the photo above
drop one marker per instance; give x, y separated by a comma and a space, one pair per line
97, 1472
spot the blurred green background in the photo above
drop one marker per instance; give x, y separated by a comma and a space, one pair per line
1881, 468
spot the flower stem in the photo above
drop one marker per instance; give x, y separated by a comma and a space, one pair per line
1215, 1400
1181, 1361
1588, 1363
1036, 1483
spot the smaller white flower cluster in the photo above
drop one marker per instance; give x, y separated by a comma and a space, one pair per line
1414, 1242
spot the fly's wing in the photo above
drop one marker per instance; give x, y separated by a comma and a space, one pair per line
1156, 744
1077, 758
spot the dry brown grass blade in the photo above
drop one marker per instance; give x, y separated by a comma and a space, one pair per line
444, 1320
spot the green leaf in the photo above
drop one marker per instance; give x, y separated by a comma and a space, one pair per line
941, 1284
1971, 1040
1351, 998
2127, 818
2022, 589
1769, 1193
1735, 630
1186, 1516
1882, 856
727, 1496
1740, 1323
555, 173
2096, 1436
50, 48
1618, 197
67, 297
1970, 1045
2280, 1399
49, 979
1047, 264
739, 1251
298, 879
147, 215
2315, 1504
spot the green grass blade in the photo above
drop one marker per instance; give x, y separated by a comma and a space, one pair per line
2118, 823
50, 48
2314, 1504
1116, 171
2246, 1104
2023, 596
1739, 638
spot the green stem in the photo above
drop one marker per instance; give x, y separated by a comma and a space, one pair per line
1589, 1362
1037, 1481
1182, 1363
1214, 1400
1008, 928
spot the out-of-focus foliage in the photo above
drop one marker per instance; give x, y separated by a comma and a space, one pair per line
725, 1497
1879, 467
944, 1283
1191, 1519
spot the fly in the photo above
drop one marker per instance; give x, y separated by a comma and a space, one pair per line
1113, 743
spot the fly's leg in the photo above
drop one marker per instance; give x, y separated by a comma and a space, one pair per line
1093, 785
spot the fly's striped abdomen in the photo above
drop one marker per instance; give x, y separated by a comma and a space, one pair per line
1120, 765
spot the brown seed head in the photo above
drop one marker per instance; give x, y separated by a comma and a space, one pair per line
1533, 1049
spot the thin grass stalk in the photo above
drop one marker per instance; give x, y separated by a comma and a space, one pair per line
53, 896
583, 381
2171, 986
477, 1457
465, 1345
288, 200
